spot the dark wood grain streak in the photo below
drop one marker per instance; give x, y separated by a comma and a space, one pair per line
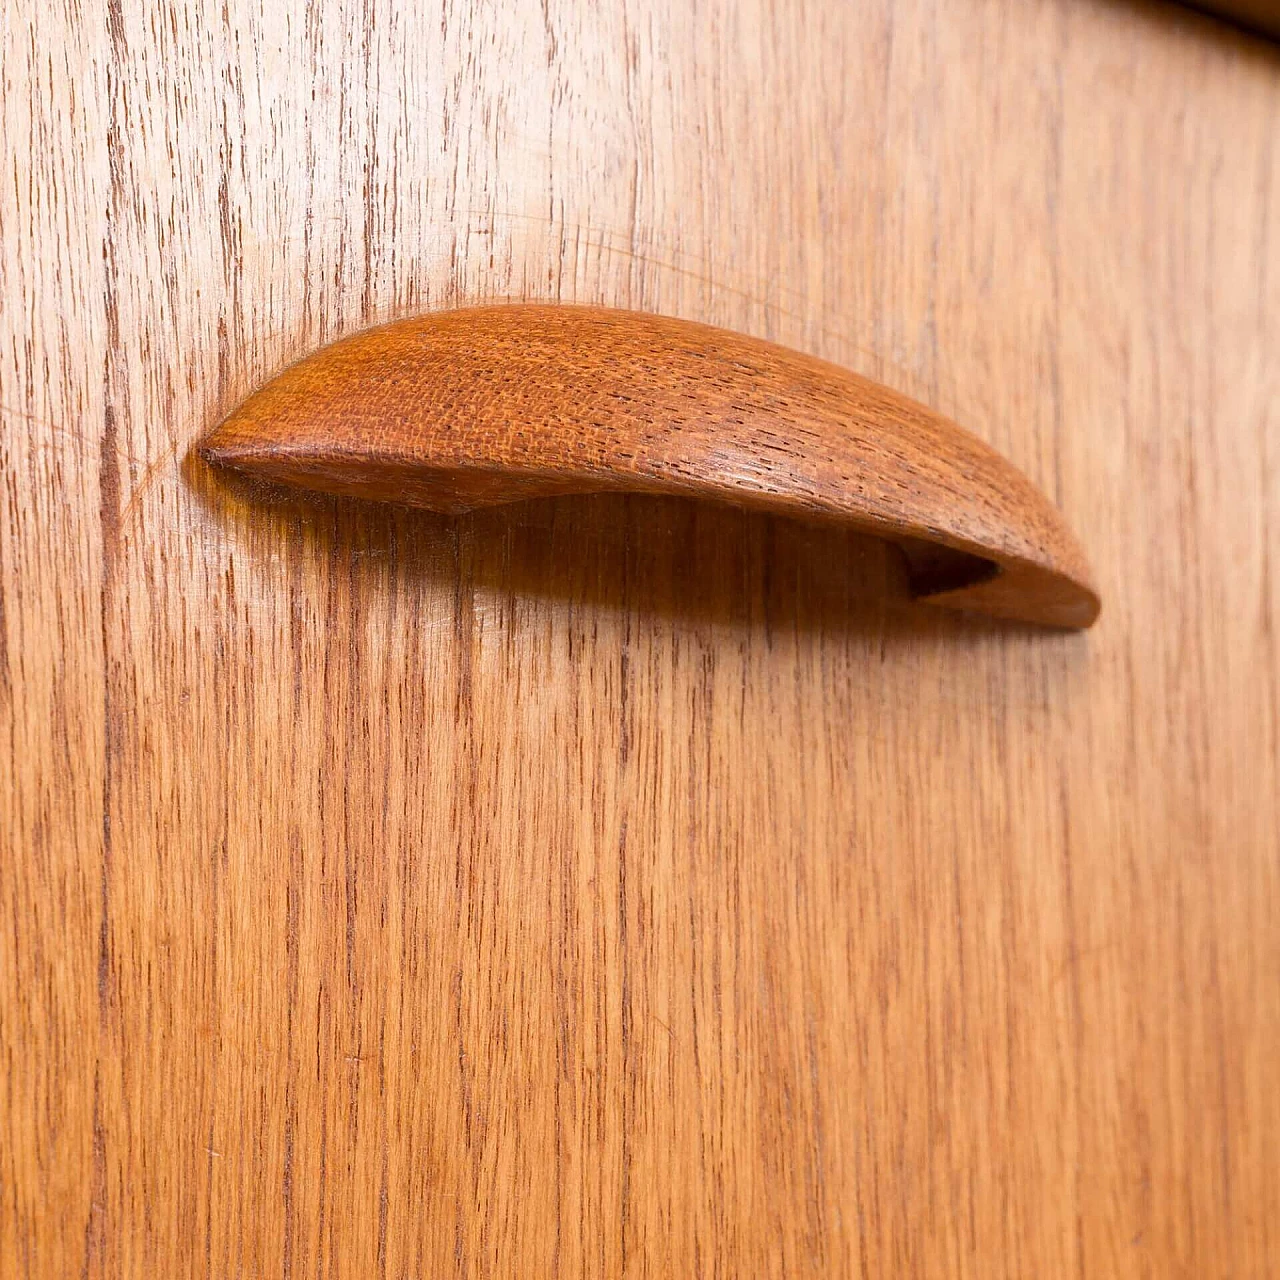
480, 406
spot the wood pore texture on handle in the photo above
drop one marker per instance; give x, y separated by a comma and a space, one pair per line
469, 408
620, 885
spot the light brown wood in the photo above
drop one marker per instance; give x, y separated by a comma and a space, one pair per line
611, 885
466, 409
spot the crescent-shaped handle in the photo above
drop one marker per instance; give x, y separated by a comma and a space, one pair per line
464, 409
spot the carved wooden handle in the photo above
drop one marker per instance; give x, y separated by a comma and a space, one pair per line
464, 409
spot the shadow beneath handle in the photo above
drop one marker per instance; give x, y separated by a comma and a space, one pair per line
678, 558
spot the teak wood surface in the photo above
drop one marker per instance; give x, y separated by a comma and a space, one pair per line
478, 406
627, 886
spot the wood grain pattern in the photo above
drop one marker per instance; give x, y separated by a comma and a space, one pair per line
615, 886
466, 409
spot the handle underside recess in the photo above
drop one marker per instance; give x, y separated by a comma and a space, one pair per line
464, 409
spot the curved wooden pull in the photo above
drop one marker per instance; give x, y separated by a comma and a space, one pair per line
464, 409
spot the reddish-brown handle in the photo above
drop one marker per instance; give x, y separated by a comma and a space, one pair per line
464, 409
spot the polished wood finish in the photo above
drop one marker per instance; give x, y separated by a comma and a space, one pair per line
619, 885
466, 409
